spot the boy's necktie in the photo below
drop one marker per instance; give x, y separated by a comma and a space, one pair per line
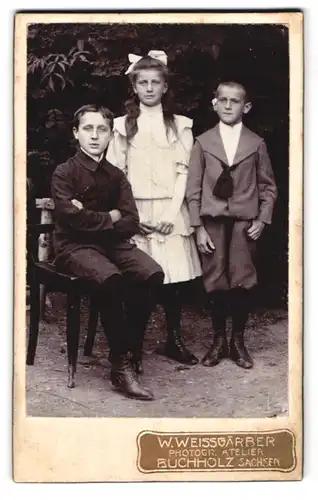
223, 188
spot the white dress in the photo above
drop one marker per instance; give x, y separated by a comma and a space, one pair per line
153, 161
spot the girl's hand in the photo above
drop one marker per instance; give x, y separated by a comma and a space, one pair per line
165, 227
146, 228
204, 242
255, 230
77, 204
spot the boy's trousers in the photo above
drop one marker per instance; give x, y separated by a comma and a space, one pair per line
231, 264
123, 278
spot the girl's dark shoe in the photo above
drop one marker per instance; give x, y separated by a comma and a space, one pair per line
176, 350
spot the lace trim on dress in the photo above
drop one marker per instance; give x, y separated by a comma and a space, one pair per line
161, 139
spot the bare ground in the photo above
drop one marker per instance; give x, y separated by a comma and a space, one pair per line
222, 391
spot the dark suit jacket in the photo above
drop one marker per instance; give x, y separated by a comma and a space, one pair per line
100, 187
254, 191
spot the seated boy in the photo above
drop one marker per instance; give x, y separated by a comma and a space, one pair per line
95, 217
231, 193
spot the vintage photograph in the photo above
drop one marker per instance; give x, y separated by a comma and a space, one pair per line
157, 225
184, 288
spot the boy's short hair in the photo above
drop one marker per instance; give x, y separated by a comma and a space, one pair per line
93, 108
232, 83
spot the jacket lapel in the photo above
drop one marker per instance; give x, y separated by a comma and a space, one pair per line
248, 144
212, 143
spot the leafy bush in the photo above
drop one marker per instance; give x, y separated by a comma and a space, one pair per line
74, 64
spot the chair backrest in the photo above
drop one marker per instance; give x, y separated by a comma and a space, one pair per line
40, 246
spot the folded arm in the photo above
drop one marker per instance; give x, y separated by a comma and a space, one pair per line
77, 219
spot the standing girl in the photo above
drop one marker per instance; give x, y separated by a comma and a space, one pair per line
152, 145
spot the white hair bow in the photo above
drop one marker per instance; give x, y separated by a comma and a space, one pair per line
160, 55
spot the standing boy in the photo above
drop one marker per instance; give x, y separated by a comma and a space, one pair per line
95, 218
231, 193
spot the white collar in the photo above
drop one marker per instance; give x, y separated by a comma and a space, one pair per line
231, 128
151, 110
92, 157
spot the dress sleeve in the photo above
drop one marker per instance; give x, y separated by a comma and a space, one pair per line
128, 226
184, 144
182, 154
117, 149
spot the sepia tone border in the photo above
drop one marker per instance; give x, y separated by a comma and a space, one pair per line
105, 449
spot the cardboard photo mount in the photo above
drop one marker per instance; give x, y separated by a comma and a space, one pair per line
161, 449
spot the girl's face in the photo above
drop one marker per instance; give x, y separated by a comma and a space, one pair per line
150, 86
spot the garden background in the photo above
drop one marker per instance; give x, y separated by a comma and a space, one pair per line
69, 65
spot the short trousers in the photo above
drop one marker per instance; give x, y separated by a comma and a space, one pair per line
232, 263
97, 266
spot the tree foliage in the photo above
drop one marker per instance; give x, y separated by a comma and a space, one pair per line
70, 65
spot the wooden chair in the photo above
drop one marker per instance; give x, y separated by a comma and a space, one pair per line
42, 273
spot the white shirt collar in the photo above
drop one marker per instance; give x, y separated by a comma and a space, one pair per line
151, 110
231, 128
230, 136
92, 157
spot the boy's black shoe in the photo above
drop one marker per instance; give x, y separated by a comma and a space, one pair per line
238, 352
136, 360
240, 310
218, 307
217, 351
124, 379
176, 350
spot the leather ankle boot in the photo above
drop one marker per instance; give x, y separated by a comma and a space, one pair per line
136, 360
238, 351
217, 351
124, 379
138, 306
218, 312
176, 350
174, 347
240, 310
